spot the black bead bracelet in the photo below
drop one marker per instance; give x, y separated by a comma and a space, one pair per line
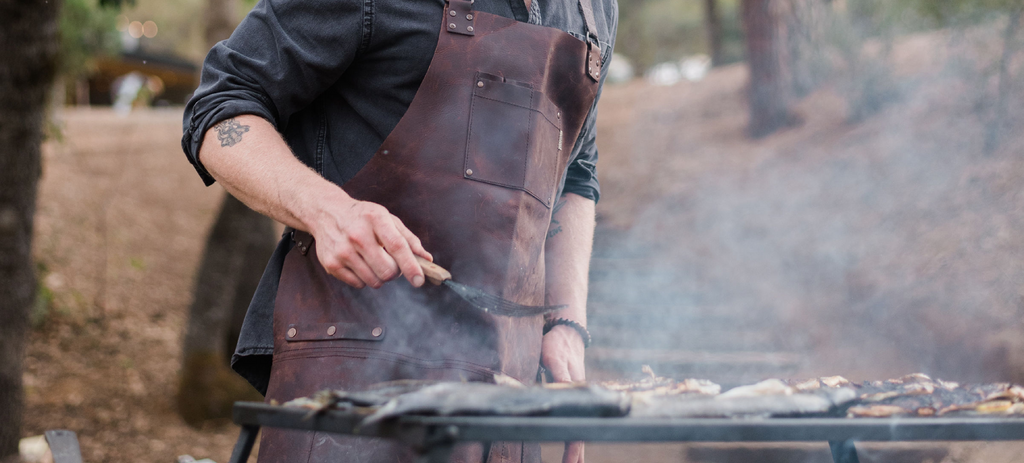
572, 324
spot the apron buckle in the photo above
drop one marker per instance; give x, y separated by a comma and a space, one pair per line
593, 59
459, 17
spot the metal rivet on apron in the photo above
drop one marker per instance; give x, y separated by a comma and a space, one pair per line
469, 17
385, 152
291, 332
451, 25
452, 12
331, 330
469, 28
469, 171
377, 332
480, 83
558, 115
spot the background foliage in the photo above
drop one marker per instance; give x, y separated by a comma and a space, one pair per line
87, 31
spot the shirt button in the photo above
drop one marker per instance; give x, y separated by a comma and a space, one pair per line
377, 332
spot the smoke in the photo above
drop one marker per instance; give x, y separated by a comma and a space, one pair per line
864, 249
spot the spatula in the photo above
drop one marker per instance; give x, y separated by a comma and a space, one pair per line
479, 299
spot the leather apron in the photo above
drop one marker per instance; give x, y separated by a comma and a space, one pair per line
472, 169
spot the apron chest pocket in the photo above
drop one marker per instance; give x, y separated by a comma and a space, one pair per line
515, 137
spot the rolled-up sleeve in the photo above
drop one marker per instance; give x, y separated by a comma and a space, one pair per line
280, 58
581, 175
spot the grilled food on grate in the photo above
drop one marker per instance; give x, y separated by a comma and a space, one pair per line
920, 395
654, 385
655, 396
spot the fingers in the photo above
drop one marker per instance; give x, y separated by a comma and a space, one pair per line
412, 239
577, 371
347, 265
573, 452
368, 246
349, 278
562, 354
398, 247
560, 373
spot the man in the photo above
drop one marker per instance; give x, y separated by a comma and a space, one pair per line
381, 131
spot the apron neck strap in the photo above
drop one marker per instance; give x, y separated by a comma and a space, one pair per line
593, 45
459, 20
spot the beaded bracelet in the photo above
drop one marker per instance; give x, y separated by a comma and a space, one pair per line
572, 324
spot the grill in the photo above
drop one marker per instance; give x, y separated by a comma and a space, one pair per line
434, 437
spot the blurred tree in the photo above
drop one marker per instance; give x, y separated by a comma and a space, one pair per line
237, 250
28, 63
769, 88
713, 23
87, 31
963, 12
655, 31
1000, 122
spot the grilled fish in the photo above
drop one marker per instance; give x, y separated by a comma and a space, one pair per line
448, 399
743, 404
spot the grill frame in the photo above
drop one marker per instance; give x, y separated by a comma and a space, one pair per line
433, 436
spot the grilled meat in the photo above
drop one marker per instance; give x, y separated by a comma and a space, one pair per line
654, 385
448, 399
919, 395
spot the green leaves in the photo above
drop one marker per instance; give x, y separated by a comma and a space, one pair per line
87, 30
950, 12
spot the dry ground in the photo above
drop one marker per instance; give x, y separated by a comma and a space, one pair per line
898, 223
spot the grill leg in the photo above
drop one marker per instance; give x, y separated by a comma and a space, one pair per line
438, 445
487, 451
843, 451
438, 453
243, 447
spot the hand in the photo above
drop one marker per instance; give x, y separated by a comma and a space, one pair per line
362, 244
562, 355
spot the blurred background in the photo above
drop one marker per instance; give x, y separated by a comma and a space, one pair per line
790, 188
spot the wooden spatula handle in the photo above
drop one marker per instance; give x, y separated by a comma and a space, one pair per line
434, 273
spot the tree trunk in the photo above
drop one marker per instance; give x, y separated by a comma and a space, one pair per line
221, 19
713, 23
999, 124
236, 252
28, 50
769, 88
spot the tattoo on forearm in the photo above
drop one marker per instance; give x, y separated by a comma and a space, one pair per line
229, 132
555, 227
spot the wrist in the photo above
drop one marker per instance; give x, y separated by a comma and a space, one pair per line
321, 205
570, 325
574, 312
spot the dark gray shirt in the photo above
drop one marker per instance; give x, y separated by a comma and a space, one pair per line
334, 77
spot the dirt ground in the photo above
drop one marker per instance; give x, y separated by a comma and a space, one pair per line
122, 218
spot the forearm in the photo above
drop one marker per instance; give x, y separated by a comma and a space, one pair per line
567, 251
249, 158
358, 242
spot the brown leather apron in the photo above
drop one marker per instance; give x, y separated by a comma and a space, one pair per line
472, 169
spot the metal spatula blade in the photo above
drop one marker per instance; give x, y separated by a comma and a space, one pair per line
481, 300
